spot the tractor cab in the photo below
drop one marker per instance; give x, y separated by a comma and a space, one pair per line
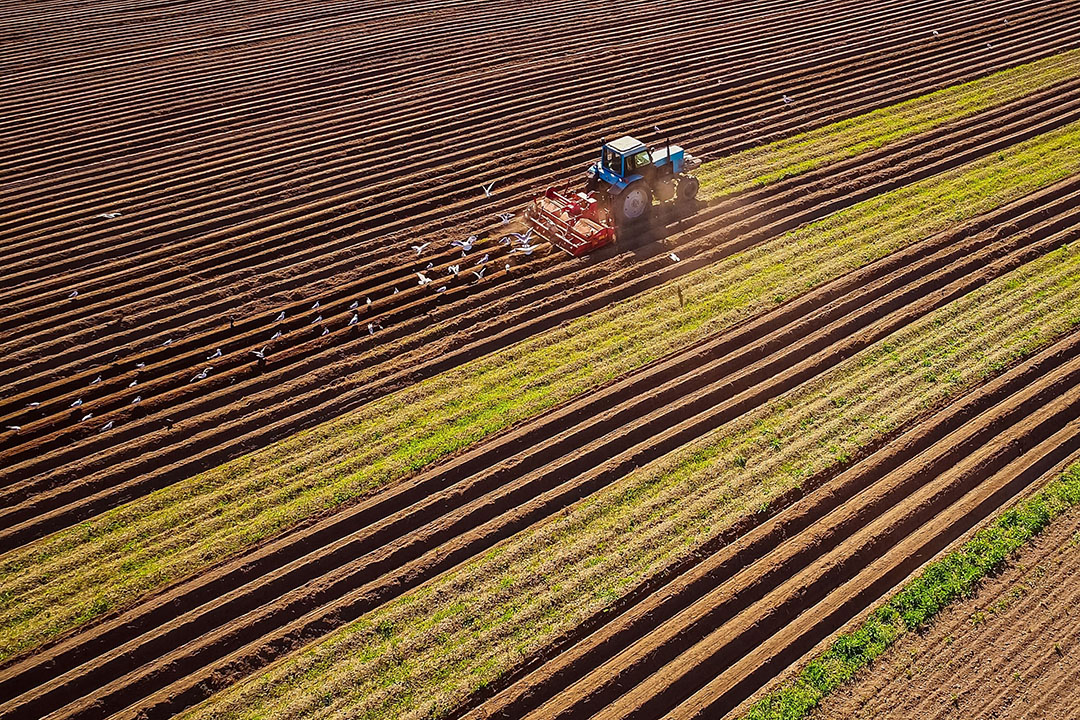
632, 175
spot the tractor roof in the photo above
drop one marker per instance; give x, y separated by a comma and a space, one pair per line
626, 144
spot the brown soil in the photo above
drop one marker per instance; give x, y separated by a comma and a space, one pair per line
1011, 651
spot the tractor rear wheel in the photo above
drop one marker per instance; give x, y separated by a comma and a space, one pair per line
633, 203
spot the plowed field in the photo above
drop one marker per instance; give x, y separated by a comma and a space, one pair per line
640, 483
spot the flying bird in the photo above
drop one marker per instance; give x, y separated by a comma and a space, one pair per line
479, 274
504, 240
674, 257
526, 249
77, 403
261, 354
487, 188
506, 218
217, 354
106, 426
454, 270
522, 239
465, 245
424, 279
420, 248
280, 317
109, 215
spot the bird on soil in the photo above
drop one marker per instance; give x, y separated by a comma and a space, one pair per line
167, 343
106, 426
936, 33
34, 404
201, 375
787, 100
355, 304
396, 291
674, 257
420, 248
317, 320
73, 294
275, 336
217, 354
280, 317
316, 305
137, 400
441, 289
465, 245
14, 428
77, 403
483, 259
487, 189
325, 331
109, 215
353, 320
526, 249
133, 383
140, 366
96, 380
86, 417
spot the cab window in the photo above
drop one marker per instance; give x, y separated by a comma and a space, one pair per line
639, 161
613, 161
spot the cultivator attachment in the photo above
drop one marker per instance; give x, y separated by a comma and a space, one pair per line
575, 222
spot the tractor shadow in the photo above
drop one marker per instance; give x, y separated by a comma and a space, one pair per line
646, 239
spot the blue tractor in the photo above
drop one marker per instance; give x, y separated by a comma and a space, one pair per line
630, 176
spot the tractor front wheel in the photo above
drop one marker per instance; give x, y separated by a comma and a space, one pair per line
688, 188
633, 203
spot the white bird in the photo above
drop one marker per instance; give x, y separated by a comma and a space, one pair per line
367, 300
140, 366
487, 188
106, 426
315, 306
353, 320
936, 33
73, 294
420, 248
14, 428
479, 274
396, 291
526, 249
280, 317
317, 320
133, 383
276, 335
465, 245
137, 400
201, 375
507, 267
1006, 21
454, 269
217, 354
522, 239
504, 240
674, 257
441, 289
424, 279
261, 354
77, 403
33, 404
355, 304
325, 331
370, 329
96, 380
86, 417
483, 259
429, 266
506, 218
787, 100
109, 215
989, 46
167, 343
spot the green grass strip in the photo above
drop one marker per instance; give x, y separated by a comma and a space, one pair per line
760, 166
422, 654
953, 577
112, 560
